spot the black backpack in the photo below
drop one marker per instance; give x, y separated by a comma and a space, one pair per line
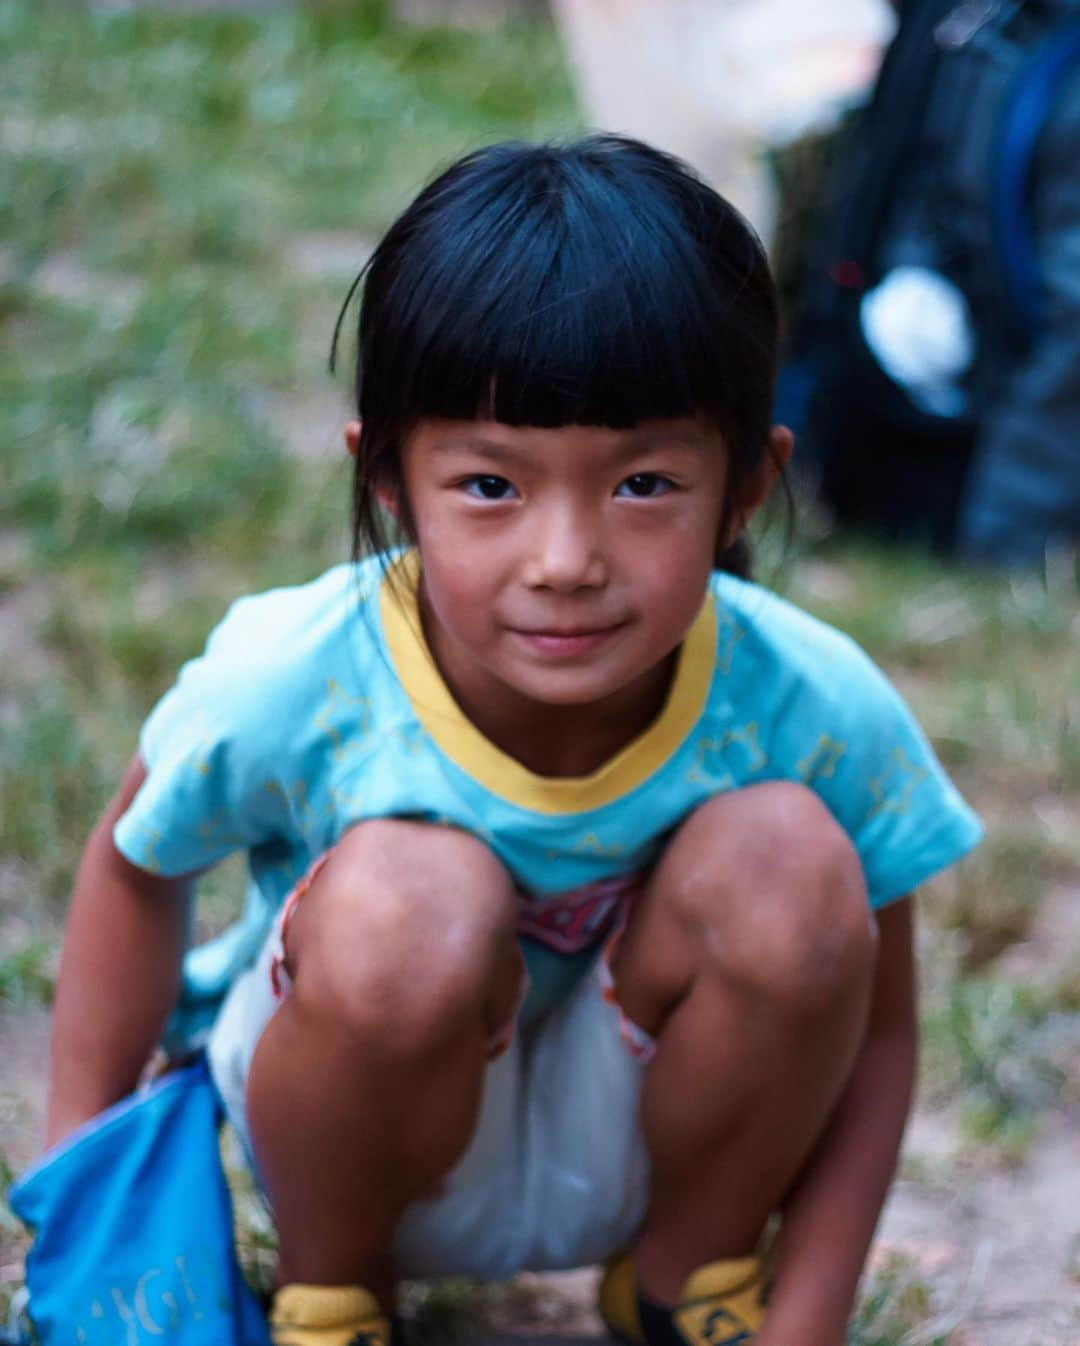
941, 170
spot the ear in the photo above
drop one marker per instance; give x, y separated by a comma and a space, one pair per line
352, 437
757, 487
387, 496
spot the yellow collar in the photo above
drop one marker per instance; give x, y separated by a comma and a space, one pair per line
503, 775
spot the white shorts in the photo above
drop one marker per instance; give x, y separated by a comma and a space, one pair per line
556, 1174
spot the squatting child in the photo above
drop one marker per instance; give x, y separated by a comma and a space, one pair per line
594, 858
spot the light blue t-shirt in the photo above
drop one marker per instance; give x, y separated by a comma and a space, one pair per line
318, 706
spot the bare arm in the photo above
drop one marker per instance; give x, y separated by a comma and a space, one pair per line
833, 1207
119, 974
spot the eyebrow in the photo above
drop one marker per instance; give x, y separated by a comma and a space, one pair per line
638, 443
643, 440
486, 448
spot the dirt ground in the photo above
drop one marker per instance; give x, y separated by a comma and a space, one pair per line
999, 1250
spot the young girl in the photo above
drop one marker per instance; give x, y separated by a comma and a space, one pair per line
599, 940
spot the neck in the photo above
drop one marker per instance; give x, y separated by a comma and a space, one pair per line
573, 740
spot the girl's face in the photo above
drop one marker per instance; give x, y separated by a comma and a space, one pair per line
561, 567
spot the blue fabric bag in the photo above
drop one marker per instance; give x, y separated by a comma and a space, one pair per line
133, 1229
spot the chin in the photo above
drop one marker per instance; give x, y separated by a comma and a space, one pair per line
568, 691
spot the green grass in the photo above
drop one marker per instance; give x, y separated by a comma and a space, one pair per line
26, 977
211, 135
52, 781
989, 1043
895, 1304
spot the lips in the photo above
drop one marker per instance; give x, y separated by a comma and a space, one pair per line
567, 642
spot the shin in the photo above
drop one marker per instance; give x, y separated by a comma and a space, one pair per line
750, 959
365, 1085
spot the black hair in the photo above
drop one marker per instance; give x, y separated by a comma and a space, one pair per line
596, 283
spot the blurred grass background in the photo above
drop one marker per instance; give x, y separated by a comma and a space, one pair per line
184, 200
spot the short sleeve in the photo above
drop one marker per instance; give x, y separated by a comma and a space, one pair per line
879, 775
206, 747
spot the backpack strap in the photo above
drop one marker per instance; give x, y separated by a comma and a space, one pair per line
880, 148
1026, 111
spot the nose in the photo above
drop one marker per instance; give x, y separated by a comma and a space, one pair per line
566, 550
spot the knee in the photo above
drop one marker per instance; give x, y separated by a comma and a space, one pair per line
402, 934
778, 892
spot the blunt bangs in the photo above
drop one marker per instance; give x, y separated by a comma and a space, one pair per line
598, 284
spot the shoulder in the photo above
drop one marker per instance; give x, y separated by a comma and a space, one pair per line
821, 710
766, 637
809, 705
279, 626
286, 637
271, 658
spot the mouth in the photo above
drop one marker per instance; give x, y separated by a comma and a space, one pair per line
567, 642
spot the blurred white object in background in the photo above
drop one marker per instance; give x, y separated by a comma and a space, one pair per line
918, 326
717, 81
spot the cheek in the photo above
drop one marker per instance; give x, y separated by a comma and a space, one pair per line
459, 589
681, 547
444, 533
672, 579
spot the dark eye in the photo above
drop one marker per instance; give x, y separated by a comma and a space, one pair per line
488, 488
642, 485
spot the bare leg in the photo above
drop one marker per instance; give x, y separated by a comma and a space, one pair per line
750, 958
365, 1085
